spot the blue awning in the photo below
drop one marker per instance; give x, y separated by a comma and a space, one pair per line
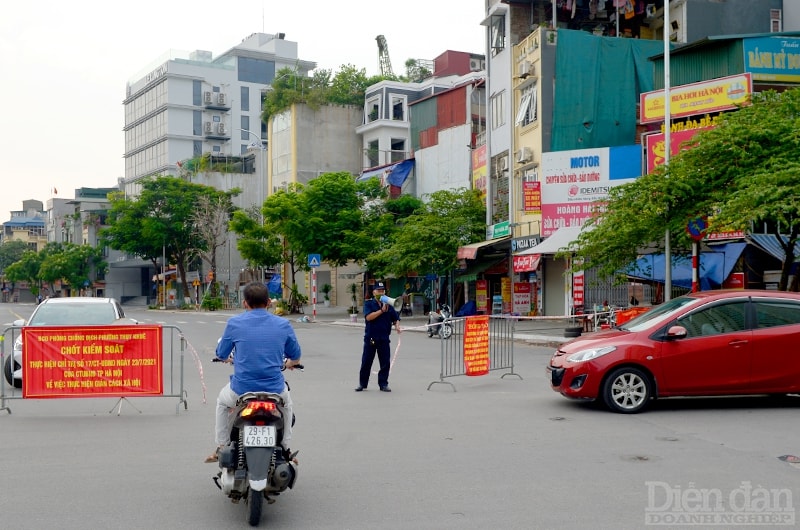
769, 244
715, 267
394, 174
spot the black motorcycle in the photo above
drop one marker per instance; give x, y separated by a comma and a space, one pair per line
253, 466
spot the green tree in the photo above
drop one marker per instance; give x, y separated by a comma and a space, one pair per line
160, 220
76, 265
256, 243
743, 171
345, 87
11, 252
428, 240
26, 269
210, 219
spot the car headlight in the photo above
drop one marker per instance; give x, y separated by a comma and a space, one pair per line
588, 355
18, 343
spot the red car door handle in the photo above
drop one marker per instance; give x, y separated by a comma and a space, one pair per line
738, 342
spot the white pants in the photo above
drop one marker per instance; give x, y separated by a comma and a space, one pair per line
226, 403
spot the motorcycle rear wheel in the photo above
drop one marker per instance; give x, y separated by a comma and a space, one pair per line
255, 501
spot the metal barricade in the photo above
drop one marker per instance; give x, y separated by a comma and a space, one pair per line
501, 348
173, 368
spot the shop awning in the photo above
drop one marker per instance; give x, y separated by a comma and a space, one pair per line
714, 268
769, 244
558, 241
471, 251
471, 274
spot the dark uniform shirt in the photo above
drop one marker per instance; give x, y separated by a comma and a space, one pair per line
381, 327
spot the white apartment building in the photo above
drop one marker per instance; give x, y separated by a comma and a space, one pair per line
188, 104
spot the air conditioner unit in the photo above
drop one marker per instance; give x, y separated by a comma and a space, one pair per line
531, 69
501, 164
208, 127
525, 154
221, 128
221, 98
524, 66
207, 97
476, 65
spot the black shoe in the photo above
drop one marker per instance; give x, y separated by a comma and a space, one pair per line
385, 389
359, 388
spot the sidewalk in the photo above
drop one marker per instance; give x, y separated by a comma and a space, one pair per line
539, 332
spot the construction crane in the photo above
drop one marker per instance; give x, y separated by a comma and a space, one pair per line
383, 57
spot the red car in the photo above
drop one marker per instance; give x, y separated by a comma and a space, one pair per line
711, 343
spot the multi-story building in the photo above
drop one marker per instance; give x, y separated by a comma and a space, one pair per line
27, 225
529, 114
186, 105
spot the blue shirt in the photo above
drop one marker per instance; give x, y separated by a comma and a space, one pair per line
379, 328
262, 340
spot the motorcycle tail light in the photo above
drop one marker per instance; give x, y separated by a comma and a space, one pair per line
258, 406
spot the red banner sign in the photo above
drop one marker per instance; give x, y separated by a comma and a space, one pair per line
476, 345
92, 361
532, 196
527, 263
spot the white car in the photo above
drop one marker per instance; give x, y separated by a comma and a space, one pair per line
73, 311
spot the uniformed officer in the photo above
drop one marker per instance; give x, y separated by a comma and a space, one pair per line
379, 317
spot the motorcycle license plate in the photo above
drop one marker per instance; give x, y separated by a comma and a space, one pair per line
260, 436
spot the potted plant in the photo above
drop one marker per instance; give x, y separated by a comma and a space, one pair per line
326, 290
353, 288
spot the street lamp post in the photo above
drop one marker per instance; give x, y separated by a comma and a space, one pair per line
262, 177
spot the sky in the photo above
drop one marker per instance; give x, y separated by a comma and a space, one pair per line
65, 66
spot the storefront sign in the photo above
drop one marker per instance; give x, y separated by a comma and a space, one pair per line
772, 58
532, 197
522, 298
527, 263
481, 300
725, 93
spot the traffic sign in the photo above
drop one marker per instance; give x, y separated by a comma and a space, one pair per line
314, 260
697, 228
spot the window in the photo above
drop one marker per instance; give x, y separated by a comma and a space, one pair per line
398, 149
197, 123
372, 153
498, 34
775, 313
244, 94
256, 70
197, 148
197, 93
720, 318
398, 108
372, 110
526, 114
498, 110
245, 126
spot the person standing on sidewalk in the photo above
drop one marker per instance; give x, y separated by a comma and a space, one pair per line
379, 318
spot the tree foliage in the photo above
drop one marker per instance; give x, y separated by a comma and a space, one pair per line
743, 171
74, 264
160, 220
345, 87
11, 252
428, 239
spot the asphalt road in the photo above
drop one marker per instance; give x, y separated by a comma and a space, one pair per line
495, 453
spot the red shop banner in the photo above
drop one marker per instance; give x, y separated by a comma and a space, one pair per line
92, 361
476, 345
